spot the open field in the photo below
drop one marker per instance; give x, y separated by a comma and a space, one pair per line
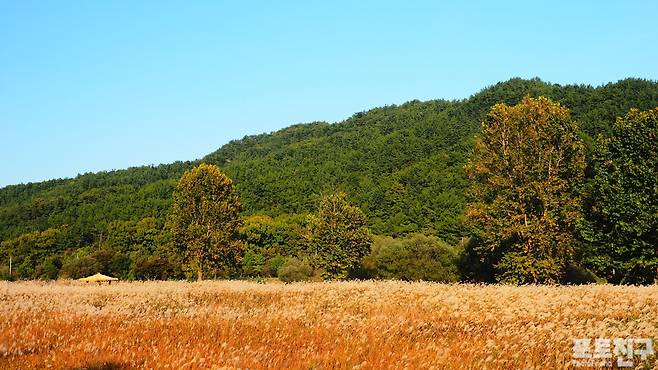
232, 324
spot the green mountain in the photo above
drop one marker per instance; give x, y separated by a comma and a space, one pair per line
402, 164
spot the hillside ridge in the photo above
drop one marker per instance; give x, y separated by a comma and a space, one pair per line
402, 164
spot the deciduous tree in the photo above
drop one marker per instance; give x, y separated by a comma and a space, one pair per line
339, 236
205, 220
524, 171
622, 218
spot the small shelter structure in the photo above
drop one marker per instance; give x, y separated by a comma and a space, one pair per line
98, 278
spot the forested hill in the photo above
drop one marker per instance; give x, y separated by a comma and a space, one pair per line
403, 165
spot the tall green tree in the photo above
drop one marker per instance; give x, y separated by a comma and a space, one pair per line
524, 171
622, 207
338, 236
205, 220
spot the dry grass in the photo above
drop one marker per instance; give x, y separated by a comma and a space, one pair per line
317, 325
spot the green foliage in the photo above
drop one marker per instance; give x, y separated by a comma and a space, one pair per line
79, 267
274, 264
576, 274
119, 266
338, 236
414, 258
524, 171
89, 202
205, 221
273, 236
294, 269
520, 267
622, 208
49, 268
87, 261
403, 165
4, 274
268, 240
253, 264
29, 251
155, 267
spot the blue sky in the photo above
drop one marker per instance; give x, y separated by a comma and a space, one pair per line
100, 85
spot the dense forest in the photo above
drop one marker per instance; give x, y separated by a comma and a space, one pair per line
402, 165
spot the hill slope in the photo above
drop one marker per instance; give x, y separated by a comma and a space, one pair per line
402, 164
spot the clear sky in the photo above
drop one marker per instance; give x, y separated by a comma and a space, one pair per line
101, 85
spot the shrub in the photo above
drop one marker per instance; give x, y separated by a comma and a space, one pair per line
253, 264
112, 263
472, 267
271, 237
418, 257
575, 274
367, 269
153, 267
76, 268
49, 268
294, 269
119, 266
273, 265
4, 273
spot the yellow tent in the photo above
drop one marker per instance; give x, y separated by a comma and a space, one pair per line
98, 278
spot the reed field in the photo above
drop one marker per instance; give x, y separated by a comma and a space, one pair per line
344, 325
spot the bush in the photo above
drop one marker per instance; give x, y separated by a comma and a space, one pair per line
112, 263
153, 267
578, 275
119, 266
367, 269
294, 269
523, 268
76, 268
473, 268
253, 264
270, 237
49, 268
415, 258
4, 274
273, 265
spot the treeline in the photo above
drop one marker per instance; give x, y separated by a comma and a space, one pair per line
537, 215
403, 166
270, 247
